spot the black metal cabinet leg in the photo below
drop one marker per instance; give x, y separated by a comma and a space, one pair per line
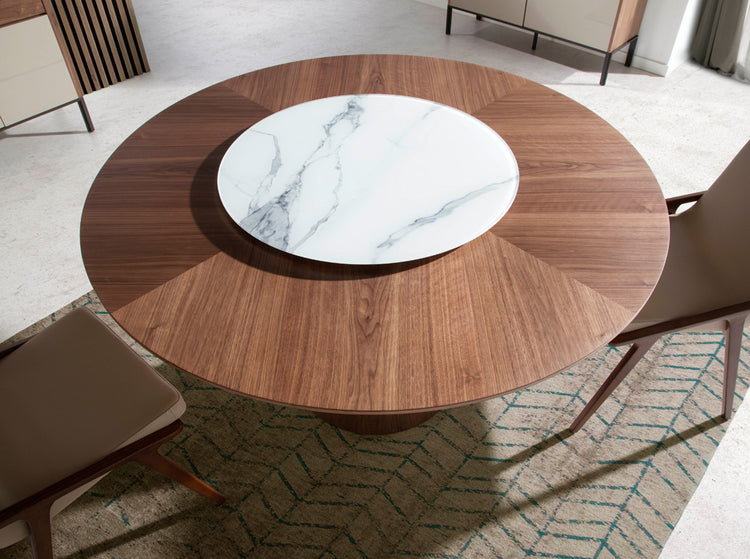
448, 19
605, 68
631, 51
479, 17
85, 114
534, 41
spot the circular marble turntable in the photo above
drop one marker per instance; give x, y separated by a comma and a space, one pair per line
367, 179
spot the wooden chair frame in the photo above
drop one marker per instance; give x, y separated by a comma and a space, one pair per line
642, 339
35, 509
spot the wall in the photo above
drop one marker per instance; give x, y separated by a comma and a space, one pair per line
666, 33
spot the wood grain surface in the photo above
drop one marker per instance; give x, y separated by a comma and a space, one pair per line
560, 275
627, 23
12, 11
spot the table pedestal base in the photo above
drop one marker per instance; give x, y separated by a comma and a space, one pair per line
375, 424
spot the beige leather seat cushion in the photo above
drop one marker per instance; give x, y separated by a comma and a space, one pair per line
68, 397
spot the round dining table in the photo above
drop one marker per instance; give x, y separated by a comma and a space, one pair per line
376, 348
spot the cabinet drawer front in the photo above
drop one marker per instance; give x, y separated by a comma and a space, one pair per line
587, 22
505, 10
27, 46
33, 74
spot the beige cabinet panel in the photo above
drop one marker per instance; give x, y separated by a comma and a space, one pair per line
33, 74
511, 11
581, 21
603, 25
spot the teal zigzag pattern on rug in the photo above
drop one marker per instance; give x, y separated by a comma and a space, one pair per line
497, 479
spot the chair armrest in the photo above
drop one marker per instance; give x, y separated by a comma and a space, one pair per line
677, 324
45, 497
13, 347
674, 203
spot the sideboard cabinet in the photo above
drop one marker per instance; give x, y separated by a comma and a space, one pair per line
605, 26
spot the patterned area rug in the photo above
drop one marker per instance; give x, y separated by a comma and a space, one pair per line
499, 479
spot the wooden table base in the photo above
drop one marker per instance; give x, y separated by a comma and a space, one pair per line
375, 424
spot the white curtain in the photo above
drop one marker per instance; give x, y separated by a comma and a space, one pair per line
742, 66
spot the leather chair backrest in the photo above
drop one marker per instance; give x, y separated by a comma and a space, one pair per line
719, 224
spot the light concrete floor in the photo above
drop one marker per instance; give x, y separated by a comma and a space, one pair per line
687, 126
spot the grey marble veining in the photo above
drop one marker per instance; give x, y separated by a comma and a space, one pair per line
368, 179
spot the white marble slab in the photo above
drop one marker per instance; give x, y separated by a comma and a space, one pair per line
368, 179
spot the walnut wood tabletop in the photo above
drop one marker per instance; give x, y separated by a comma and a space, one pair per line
377, 348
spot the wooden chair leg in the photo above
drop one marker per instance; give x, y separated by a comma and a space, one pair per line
732, 346
40, 527
626, 364
163, 465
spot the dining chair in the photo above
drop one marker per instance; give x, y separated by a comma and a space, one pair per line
705, 283
75, 402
